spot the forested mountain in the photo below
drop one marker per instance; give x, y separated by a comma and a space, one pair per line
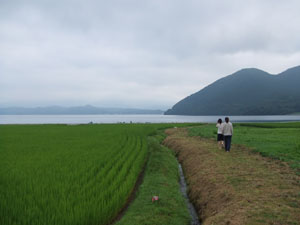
246, 92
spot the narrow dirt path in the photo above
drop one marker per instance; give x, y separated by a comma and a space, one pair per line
239, 187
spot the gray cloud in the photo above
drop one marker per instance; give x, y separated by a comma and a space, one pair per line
137, 53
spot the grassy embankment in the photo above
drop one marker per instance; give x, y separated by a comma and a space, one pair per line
242, 187
161, 178
275, 140
59, 174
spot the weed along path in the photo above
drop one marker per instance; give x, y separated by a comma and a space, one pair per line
240, 187
160, 179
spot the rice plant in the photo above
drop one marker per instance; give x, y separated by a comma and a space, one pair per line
60, 174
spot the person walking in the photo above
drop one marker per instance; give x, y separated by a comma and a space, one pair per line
227, 132
220, 137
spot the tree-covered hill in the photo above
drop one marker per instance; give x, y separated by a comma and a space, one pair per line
246, 92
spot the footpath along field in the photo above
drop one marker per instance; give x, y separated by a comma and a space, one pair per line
258, 182
86, 174
275, 140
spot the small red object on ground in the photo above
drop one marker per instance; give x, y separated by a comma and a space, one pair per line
154, 198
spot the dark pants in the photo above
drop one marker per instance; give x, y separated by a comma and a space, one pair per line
227, 140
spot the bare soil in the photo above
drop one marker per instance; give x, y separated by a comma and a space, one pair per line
239, 187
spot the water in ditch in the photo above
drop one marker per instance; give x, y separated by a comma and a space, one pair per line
183, 188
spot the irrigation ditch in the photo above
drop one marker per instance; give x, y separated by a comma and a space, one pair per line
183, 188
161, 178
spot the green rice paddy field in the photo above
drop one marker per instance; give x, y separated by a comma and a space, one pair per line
60, 174
84, 174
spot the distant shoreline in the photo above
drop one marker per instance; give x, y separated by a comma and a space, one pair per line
136, 118
76, 110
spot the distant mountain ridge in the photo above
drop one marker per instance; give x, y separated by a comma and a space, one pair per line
76, 110
246, 92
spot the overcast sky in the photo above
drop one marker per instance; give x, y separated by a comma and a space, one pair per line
137, 53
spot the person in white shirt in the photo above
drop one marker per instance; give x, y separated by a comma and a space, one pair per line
227, 132
220, 137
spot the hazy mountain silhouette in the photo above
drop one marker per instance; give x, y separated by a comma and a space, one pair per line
88, 109
246, 92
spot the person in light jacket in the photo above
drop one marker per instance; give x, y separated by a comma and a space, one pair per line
227, 132
220, 137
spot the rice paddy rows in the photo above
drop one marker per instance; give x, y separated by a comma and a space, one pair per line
59, 174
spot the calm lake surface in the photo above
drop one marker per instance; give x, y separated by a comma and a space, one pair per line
83, 119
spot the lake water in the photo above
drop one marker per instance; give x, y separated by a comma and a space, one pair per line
83, 119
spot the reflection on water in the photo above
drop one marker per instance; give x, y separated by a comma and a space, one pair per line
83, 119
